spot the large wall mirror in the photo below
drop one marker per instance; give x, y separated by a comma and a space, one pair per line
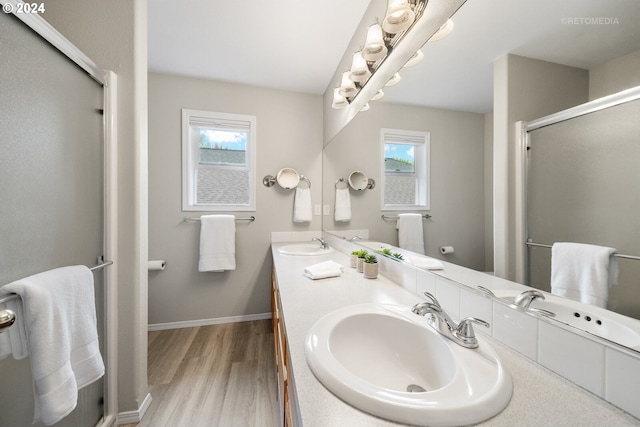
450, 96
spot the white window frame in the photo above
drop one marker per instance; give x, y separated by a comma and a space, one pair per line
190, 157
422, 142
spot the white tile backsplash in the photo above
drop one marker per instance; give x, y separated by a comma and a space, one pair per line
478, 306
448, 295
516, 329
622, 381
426, 282
576, 358
410, 278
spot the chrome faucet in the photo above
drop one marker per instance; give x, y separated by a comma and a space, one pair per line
323, 244
462, 333
525, 298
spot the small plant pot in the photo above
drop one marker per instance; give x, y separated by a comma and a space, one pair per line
354, 261
370, 270
360, 265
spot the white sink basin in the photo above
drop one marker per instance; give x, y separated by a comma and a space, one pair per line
589, 318
305, 249
387, 361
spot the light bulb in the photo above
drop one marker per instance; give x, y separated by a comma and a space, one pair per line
374, 47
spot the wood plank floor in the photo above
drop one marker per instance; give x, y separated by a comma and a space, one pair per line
210, 376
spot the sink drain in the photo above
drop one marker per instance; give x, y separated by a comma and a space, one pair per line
415, 388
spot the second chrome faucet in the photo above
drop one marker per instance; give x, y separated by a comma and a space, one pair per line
461, 333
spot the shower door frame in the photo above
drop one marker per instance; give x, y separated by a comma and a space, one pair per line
108, 80
522, 163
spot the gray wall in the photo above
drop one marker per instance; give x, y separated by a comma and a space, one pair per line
113, 34
524, 89
615, 75
289, 134
457, 177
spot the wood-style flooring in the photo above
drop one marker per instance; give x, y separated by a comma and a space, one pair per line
210, 376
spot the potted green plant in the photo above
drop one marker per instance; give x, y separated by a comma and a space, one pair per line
354, 258
370, 266
397, 255
385, 251
362, 253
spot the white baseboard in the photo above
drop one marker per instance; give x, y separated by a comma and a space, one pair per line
206, 322
131, 417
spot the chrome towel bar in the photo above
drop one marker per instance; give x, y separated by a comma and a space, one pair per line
541, 245
192, 219
8, 317
387, 217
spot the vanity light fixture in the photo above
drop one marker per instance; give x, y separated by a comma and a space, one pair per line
381, 39
443, 32
394, 80
339, 101
399, 16
347, 86
359, 71
374, 46
415, 59
379, 94
366, 107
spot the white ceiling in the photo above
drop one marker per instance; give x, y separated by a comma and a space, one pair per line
297, 45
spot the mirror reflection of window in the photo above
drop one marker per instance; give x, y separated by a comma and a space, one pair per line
405, 169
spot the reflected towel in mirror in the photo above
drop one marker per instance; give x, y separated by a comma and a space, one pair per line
583, 272
343, 205
410, 234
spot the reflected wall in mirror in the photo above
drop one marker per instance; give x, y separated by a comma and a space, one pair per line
457, 174
506, 61
582, 187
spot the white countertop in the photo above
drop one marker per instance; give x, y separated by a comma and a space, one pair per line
540, 397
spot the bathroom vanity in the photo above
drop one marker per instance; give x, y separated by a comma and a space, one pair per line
540, 396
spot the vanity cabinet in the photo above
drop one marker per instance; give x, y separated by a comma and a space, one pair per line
284, 378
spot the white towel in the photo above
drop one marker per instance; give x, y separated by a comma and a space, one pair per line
217, 243
323, 270
410, 234
302, 205
583, 272
60, 318
343, 205
14, 340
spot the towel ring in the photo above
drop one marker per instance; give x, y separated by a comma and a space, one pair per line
343, 182
305, 180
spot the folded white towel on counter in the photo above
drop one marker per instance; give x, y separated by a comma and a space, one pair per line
14, 340
583, 272
217, 243
343, 205
302, 211
426, 263
323, 270
60, 318
410, 234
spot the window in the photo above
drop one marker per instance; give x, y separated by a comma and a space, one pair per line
218, 161
405, 170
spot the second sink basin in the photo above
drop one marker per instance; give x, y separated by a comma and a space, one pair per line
386, 360
308, 249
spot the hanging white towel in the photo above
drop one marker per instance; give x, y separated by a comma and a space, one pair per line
583, 272
217, 243
60, 319
302, 205
14, 340
323, 270
410, 234
343, 205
